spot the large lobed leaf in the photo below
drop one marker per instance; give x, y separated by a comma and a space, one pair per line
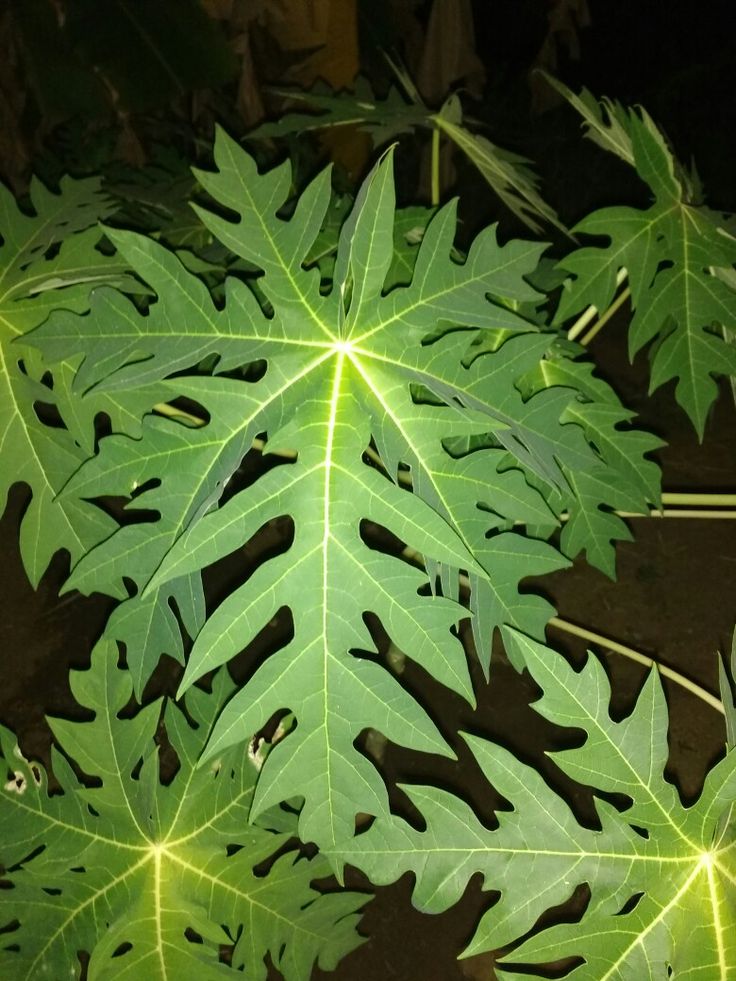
48, 259
122, 867
661, 877
671, 252
328, 373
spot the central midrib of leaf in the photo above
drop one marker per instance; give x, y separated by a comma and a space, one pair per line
157, 854
341, 349
708, 862
375, 391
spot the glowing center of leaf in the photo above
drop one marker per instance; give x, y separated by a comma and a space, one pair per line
342, 347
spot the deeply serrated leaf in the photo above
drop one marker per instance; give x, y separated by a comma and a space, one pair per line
661, 876
340, 379
670, 251
126, 868
508, 174
31, 285
622, 477
605, 121
383, 118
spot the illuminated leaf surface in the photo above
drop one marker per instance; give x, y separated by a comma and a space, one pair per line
662, 877
123, 867
48, 259
365, 395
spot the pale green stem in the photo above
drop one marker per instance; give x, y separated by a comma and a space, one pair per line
681, 513
260, 444
614, 645
669, 513
695, 506
589, 314
582, 322
614, 307
699, 500
164, 409
435, 167
609, 644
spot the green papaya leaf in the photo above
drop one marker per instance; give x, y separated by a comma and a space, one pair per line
661, 876
605, 121
360, 397
125, 866
608, 123
508, 174
48, 259
671, 252
622, 479
384, 118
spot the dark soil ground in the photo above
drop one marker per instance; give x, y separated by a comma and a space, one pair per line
675, 599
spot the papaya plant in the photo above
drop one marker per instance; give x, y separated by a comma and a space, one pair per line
658, 879
679, 251
402, 111
383, 434
671, 253
154, 878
